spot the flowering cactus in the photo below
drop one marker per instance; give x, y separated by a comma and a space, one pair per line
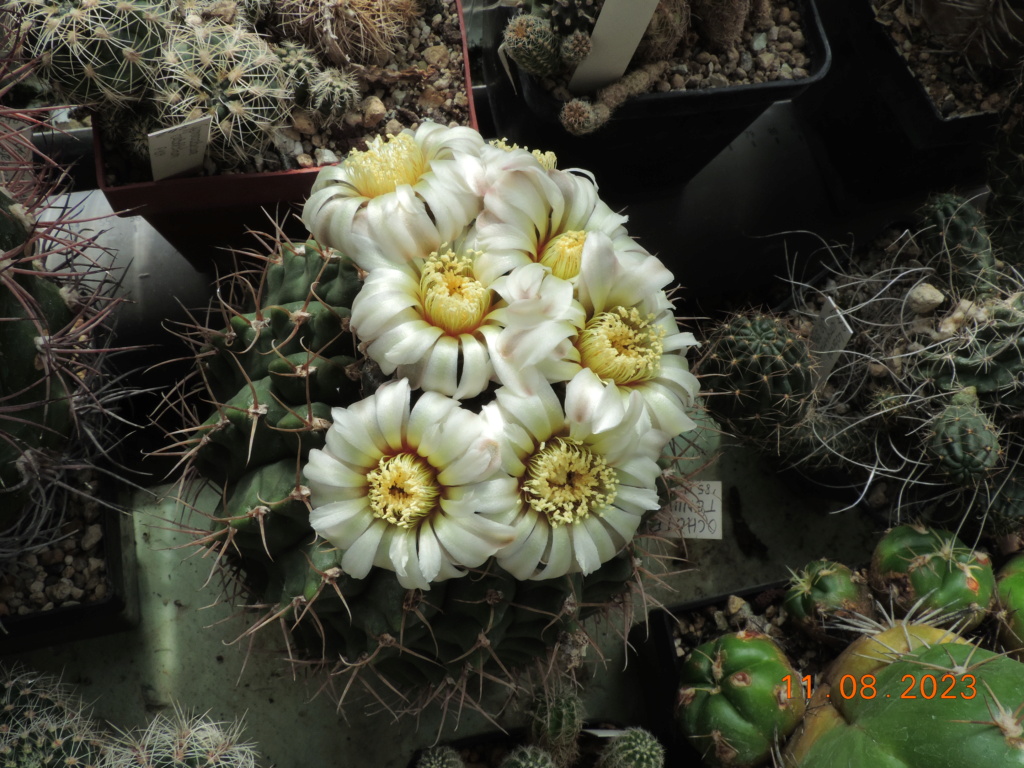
453, 493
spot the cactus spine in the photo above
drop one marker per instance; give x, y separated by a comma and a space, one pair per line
635, 748
182, 740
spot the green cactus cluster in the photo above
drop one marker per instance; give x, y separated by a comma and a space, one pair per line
824, 592
182, 740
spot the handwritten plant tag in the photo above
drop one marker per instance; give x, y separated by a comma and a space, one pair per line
181, 149
697, 515
829, 337
613, 42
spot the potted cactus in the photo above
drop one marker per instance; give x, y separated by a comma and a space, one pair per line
701, 73
288, 88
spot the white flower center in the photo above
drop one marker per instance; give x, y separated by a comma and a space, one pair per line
564, 254
453, 299
386, 164
402, 489
566, 481
622, 345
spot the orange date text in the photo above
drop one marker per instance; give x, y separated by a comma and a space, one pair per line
924, 686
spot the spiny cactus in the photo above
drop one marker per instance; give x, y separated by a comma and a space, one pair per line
568, 16
43, 722
440, 757
528, 757
349, 32
532, 44
556, 725
964, 441
921, 568
229, 74
823, 591
94, 51
182, 740
953, 226
721, 21
635, 748
581, 116
665, 31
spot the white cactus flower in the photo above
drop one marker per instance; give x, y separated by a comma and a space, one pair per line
586, 474
415, 489
399, 199
542, 216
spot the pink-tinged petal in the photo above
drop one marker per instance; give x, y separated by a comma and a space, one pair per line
450, 439
403, 556
429, 412
477, 463
667, 410
522, 557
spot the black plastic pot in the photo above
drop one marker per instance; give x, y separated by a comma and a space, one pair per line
654, 142
116, 611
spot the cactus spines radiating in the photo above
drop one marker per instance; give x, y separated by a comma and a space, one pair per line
528, 757
95, 51
964, 441
955, 227
43, 722
734, 702
532, 44
349, 31
721, 21
574, 48
182, 740
666, 29
759, 370
635, 748
231, 75
825, 590
440, 757
921, 568
582, 116
557, 723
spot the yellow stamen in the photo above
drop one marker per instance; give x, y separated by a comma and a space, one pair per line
547, 159
567, 482
622, 345
386, 164
453, 299
403, 489
564, 254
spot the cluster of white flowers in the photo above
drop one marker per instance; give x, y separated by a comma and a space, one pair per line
493, 276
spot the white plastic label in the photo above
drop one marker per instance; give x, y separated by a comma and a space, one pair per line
698, 514
180, 149
613, 42
829, 337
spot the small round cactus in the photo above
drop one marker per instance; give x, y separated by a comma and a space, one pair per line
964, 441
825, 590
532, 44
349, 31
182, 740
440, 757
568, 16
635, 748
556, 725
528, 757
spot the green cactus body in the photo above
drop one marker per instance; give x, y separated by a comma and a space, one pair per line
734, 701
556, 725
635, 748
826, 590
1010, 597
96, 51
987, 354
182, 740
758, 371
44, 723
941, 706
964, 441
333, 93
298, 63
231, 75
440, 757
528, 757
955, 228
532, 44
932, 568
1003, 513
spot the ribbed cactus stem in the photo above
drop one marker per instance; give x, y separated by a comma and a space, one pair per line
636, 748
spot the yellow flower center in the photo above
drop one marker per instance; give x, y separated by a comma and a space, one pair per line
566, 481
453, 299
403, 489
622, 345
564, 254
548, 160
386, 164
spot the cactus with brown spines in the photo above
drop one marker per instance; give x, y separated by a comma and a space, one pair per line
581, 116
721, 22
666, 29
532, 44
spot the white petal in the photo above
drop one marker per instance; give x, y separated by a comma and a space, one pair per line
359, 558
522, 557
560, 559
429, 553
584, 550
392, 412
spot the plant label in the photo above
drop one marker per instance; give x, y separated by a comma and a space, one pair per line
829, 337
697, 513
181, 149
620, 25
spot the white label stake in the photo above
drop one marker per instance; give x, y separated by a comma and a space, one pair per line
180, 149
829, 337
613, 42
698, 514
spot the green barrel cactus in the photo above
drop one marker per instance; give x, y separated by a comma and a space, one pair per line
531, 43
43, 722
182, 740
1010, 605
942, 705
758, 371
440, 757
634, 748
95, 51
919, 568
825, 590
964, 443
528, 756
230, 74
739, 696
956, 229
557, 723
